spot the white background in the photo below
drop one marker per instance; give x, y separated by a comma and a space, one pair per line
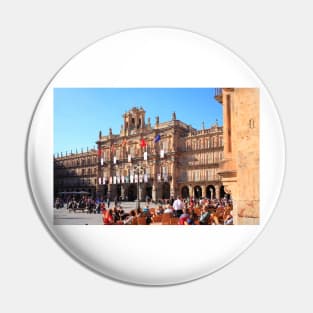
38, 37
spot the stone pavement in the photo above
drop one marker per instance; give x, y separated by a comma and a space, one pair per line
65, 217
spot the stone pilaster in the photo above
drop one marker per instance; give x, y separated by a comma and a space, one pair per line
154, 192
217, 191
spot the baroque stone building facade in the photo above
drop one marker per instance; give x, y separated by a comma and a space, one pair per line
75, 172
160, 161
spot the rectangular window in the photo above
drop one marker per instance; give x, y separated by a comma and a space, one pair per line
165, 146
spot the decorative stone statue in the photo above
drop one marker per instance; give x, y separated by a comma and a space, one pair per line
157, 120
173, 116
100, 134
110, 131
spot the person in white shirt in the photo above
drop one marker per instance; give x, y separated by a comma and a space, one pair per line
178, 206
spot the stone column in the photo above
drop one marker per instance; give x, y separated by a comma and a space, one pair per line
203, 189
173, 190
122, 192
110, 194
154, 192
217, 191
140, 192
191, 194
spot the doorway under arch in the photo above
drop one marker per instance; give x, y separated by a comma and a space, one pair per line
105, 190
185, 192
132, 192
198, 192
222, 192
118, 191
210, 192
148, 191
166, 191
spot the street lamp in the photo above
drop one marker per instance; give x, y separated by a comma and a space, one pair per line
138, 170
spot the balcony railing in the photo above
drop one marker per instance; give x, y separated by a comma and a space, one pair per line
218, 94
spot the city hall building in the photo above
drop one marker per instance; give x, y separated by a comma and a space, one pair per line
159, 160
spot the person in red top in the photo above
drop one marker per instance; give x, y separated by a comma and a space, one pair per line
183, 219
107, 217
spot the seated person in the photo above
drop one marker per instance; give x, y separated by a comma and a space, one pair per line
145, 209
108, 217
228, 218
160, 210
121, 213
146, 213
130, 218
206, 215
138, 212
168, 209
115, 215
184, 218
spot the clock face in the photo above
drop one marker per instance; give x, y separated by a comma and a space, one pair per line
147, 156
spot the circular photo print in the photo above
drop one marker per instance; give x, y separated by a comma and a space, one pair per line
155, 156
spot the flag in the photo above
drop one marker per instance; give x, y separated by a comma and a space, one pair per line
99, 180
103, 180
114, 160
102, 161
145, 178
99, 152
145, 155
162, 153
129, 158
157, 138
143, 143
124, 143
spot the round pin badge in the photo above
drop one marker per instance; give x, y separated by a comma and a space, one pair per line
155, 156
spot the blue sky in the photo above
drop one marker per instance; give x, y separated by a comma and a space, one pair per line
79, 113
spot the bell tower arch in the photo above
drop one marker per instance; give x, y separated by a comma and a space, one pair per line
134, 120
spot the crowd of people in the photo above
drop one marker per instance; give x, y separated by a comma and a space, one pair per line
183, 211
